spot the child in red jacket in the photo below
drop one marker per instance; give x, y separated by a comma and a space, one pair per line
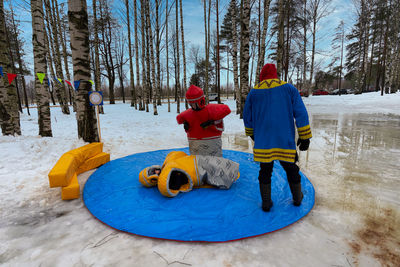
203, 123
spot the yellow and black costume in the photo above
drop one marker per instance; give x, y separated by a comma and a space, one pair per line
181, 173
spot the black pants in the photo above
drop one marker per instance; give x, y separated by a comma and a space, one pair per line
291, 169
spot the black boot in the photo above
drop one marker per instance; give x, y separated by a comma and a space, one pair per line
296, 193
265, 190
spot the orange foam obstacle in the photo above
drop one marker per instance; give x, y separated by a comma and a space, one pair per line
74, 162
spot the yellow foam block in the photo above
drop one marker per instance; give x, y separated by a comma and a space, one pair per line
86, 152
94, 162
62, 172
71, 191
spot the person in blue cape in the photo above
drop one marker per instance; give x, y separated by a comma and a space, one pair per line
272, 110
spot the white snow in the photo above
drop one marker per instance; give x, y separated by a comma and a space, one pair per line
353, 162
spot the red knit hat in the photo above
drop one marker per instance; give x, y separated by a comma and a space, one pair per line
195, 95
268, 72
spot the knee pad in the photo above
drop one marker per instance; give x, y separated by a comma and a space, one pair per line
148, 176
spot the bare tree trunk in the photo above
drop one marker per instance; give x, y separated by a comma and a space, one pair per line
144, 81
79, 32
60, 87
218, 74
154, 85
158, 41
132, 77
261, 55
40, 66
63, 36
287, 50
244, 51
177, 78
18, 50
207, 44
341, 58
166, 45
237, 91
9, 113
183, 54
140, 92
49, 47
305, 25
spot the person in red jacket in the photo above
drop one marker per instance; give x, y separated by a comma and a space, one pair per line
203, 123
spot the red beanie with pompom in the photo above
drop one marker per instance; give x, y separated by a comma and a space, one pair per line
268, 72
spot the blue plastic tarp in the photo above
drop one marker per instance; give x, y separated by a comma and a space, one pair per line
114, 195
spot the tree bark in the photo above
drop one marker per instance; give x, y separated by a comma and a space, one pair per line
60, 87
40, 66
183, 54
144, 81
177, 77
151, 62
79, 32
140, 91
9, 113
237, 91
166, 47
244, 52
132, 77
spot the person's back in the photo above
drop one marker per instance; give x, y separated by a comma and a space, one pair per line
273, 108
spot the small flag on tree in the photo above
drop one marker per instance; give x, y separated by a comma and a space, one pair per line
1, 71
40, 76
68, 82
77, 83
11, 77
58, 80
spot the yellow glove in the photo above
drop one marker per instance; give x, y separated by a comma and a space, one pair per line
149, 176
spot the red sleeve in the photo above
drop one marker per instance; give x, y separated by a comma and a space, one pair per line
181, 118
218, 111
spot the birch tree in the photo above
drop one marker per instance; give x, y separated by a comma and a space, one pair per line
244, 52
144, 78
78, 28
183, 53
54, 34
177, 77
9, 113
40, 66
166, 49
19, 53
132, 77
139, 93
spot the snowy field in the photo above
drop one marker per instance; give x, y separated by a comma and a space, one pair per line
353, 162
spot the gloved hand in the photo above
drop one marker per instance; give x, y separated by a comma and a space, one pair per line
206, 124
303, 144
186, 126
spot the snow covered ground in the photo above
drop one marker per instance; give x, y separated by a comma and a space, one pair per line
353, 162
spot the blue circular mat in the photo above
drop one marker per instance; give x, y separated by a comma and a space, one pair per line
114, 195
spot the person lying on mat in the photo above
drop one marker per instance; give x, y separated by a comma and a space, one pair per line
181, 173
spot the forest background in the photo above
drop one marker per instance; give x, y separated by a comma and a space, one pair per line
148, 52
